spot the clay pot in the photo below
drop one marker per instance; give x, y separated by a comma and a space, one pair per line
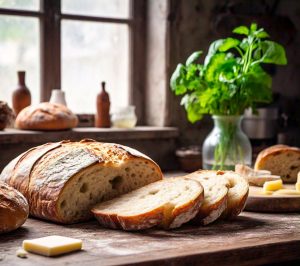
21, 96
102, 118
189, 158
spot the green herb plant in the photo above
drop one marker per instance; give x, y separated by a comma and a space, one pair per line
229, 80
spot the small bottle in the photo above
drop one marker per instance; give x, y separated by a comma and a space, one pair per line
102, 118
21, 96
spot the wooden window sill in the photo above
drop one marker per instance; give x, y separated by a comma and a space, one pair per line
13, 136
159, 143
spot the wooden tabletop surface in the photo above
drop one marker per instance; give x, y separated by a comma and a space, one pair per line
251, 239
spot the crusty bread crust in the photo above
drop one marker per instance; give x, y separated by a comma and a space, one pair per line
43, 173
46, 116
186, 212
163, 214
266, 152
17, 172
131, 223
13, 208
282, 169
50, 175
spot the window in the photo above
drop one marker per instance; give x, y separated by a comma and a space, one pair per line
71, 45
19, 47
93, 51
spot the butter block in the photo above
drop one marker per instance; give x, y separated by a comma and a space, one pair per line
52, 245
288, 192
272, 185
297, 186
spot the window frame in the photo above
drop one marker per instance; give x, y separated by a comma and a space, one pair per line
50, 17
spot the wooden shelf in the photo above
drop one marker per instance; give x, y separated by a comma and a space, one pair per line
159, 143
10, 136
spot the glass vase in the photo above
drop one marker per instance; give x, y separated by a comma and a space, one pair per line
226, 145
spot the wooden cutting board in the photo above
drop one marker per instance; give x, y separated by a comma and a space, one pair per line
259, 202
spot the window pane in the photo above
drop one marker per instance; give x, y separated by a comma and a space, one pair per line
33, 5
19, 50
102, 8
91, 53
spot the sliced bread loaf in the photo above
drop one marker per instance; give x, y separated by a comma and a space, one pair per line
167, 203
281, 160
62, 181
215, 196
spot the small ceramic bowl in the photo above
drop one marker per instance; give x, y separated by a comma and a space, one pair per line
190, 158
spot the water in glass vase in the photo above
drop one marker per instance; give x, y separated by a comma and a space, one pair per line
210, 166
226, 145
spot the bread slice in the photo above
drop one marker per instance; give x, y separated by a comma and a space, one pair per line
215, 196
245, 170
237, 193
281, 160
255, 177
167, 203
62, 181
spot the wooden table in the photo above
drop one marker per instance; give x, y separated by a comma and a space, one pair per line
251, 239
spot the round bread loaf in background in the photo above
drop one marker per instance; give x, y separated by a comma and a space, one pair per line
14, 208
281, 160
46, 116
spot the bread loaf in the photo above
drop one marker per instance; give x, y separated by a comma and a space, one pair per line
281, 160
63, 180
46, 116
215, 196
167, 203
13, 208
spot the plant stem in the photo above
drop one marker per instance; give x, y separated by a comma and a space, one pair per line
227, 149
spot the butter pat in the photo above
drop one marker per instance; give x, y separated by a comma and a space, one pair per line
52, 245
272, 185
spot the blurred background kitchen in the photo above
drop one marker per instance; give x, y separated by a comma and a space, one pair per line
134, 46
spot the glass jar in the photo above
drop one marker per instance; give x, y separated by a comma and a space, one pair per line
226, 145
124, 117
